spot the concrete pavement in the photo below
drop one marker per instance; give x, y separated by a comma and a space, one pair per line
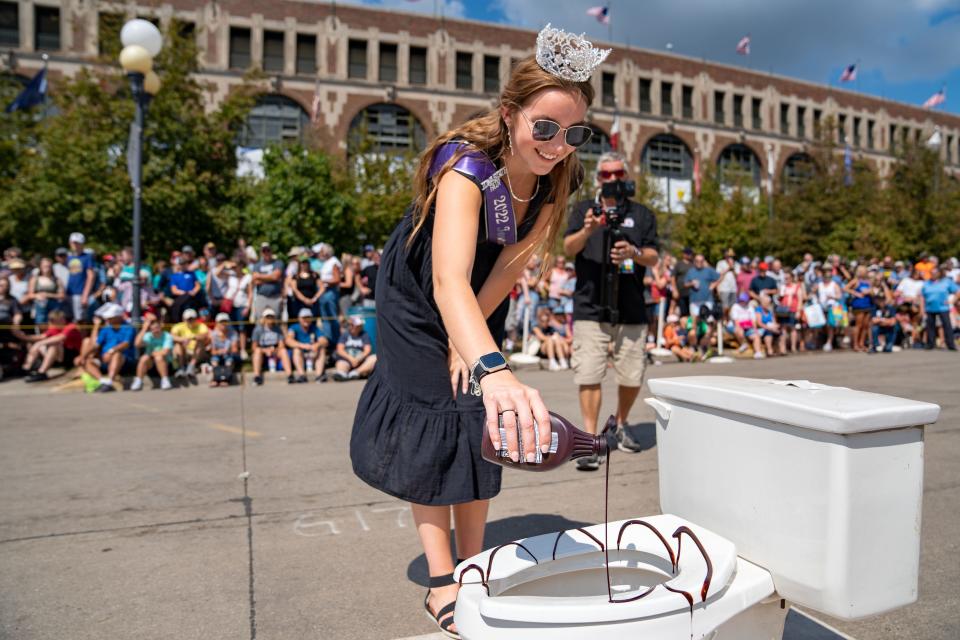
229, 513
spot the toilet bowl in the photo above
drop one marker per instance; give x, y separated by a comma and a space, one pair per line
669, 579
775, 492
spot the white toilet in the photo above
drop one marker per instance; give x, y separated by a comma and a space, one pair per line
794, 493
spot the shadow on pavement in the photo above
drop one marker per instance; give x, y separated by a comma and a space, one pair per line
643, 433
502, 531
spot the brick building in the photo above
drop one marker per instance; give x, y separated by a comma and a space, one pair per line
408, 77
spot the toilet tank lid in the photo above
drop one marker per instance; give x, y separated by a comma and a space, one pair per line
798, 402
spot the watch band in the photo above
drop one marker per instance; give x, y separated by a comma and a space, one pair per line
479, 370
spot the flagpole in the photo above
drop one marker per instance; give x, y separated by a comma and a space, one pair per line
609, 24
46, 79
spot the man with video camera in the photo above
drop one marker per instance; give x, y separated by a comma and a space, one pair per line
614, 240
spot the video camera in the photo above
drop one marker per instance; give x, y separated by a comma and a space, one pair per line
619, 191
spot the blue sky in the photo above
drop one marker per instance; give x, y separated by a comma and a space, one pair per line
905, 49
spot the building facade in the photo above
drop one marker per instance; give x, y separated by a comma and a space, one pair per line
403, 78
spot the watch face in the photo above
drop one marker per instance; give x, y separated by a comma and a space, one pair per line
492, 361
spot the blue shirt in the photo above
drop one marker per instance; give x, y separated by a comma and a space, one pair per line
78, 265
935, 295
306, 336
704, 278
108, 338
184, 280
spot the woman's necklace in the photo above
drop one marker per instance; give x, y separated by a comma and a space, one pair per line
506, 175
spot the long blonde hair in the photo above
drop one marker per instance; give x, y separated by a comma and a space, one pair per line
488, 133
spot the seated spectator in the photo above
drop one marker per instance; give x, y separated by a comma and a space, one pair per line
11, 315
884, 323
268, 345
767, 321
308, 345
745, 326
59, 344
699, 330
224, 351
109, 351
672, 339
156, 347
354, 353
191, 338
552, 344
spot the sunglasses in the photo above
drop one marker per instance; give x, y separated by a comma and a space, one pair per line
606, 175
544, 130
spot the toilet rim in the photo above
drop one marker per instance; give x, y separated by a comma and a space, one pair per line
703, 566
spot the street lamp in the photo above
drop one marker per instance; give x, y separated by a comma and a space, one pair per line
141, 42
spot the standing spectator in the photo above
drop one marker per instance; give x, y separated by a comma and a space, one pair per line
700, 282
680, 274
11, 315
829, 295
189, 257
745, 327
211, 255
528, 297
762, 283
368, 278
861, 303
241, 302
308, 345
82, 277
556, 279
191, 339
898, 274
777, 272
267, 282
791, 299
935, 303
925, 266
109, 351
745, 277
19, 282
184, 288
330, 298
156, 346
910, 289
349, 293
59, 344
658, 280
60, 267
354, 353
268, 345
305, 289
224, 351
727, 285
222, 283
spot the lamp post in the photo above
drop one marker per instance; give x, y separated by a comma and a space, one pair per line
141, 42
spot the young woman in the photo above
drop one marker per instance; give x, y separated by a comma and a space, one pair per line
791, 302
861, 302
305, 290
489, 194
45, 291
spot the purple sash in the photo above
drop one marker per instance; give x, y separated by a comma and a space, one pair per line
501, 223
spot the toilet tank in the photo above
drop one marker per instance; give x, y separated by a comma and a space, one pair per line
822, 486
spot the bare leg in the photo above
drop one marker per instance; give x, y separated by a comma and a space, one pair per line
143, 366
116, 362
433, 527
366, 369
590, 396
257, 360
285, 359
51, 355
161, 364
470, 519
626, 396
298, 362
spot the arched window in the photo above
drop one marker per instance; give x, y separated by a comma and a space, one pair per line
739, 165
666, 156
798, 169
598, 144
385, 128
275, 119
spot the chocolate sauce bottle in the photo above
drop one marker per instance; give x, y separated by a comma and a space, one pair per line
566, 443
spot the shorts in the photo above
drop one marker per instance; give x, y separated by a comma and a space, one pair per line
789, 320
128, 368
698, 309
338, 358
750, 332
263, 302
727, 298
591, 340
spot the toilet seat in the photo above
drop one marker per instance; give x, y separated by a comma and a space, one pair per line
517, 577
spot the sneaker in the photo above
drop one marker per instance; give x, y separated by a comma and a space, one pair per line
137, 384
105, 388
180, 373
258, 381
589, 463
36, 376
353, 375
291, 380
564, 364
339, 376
743, 348
165, 384
554, 366
625, 442
301, 379
323, 377
758, 356
191, 370
828, 347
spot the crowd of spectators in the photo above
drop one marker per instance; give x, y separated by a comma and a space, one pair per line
217, 311
210, 311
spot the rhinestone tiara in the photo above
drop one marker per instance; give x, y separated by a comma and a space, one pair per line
567, 55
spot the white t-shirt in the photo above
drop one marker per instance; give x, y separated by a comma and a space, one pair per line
742, 315
910, 288
241, 299
326, 271
828, 292
19, 288
728, 281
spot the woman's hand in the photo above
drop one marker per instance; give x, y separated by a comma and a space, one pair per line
459, 373
519, 405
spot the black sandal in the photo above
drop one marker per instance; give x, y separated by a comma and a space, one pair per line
444, 626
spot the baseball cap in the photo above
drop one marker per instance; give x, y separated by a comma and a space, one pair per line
187, 249
744, 297
110, 310
305, 313
316, 248
764, 266
108, 257
268, 312
265, 245
745, 260
368, 248
77, 237
189, 314
61, 251
223, 317
356, 321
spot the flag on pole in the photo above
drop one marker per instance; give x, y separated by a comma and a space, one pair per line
602, 14
849, 74
315, 105
743, 47
936, 99
33, 94
615, 132
847, 165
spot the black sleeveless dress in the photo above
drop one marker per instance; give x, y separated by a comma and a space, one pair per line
411, 438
